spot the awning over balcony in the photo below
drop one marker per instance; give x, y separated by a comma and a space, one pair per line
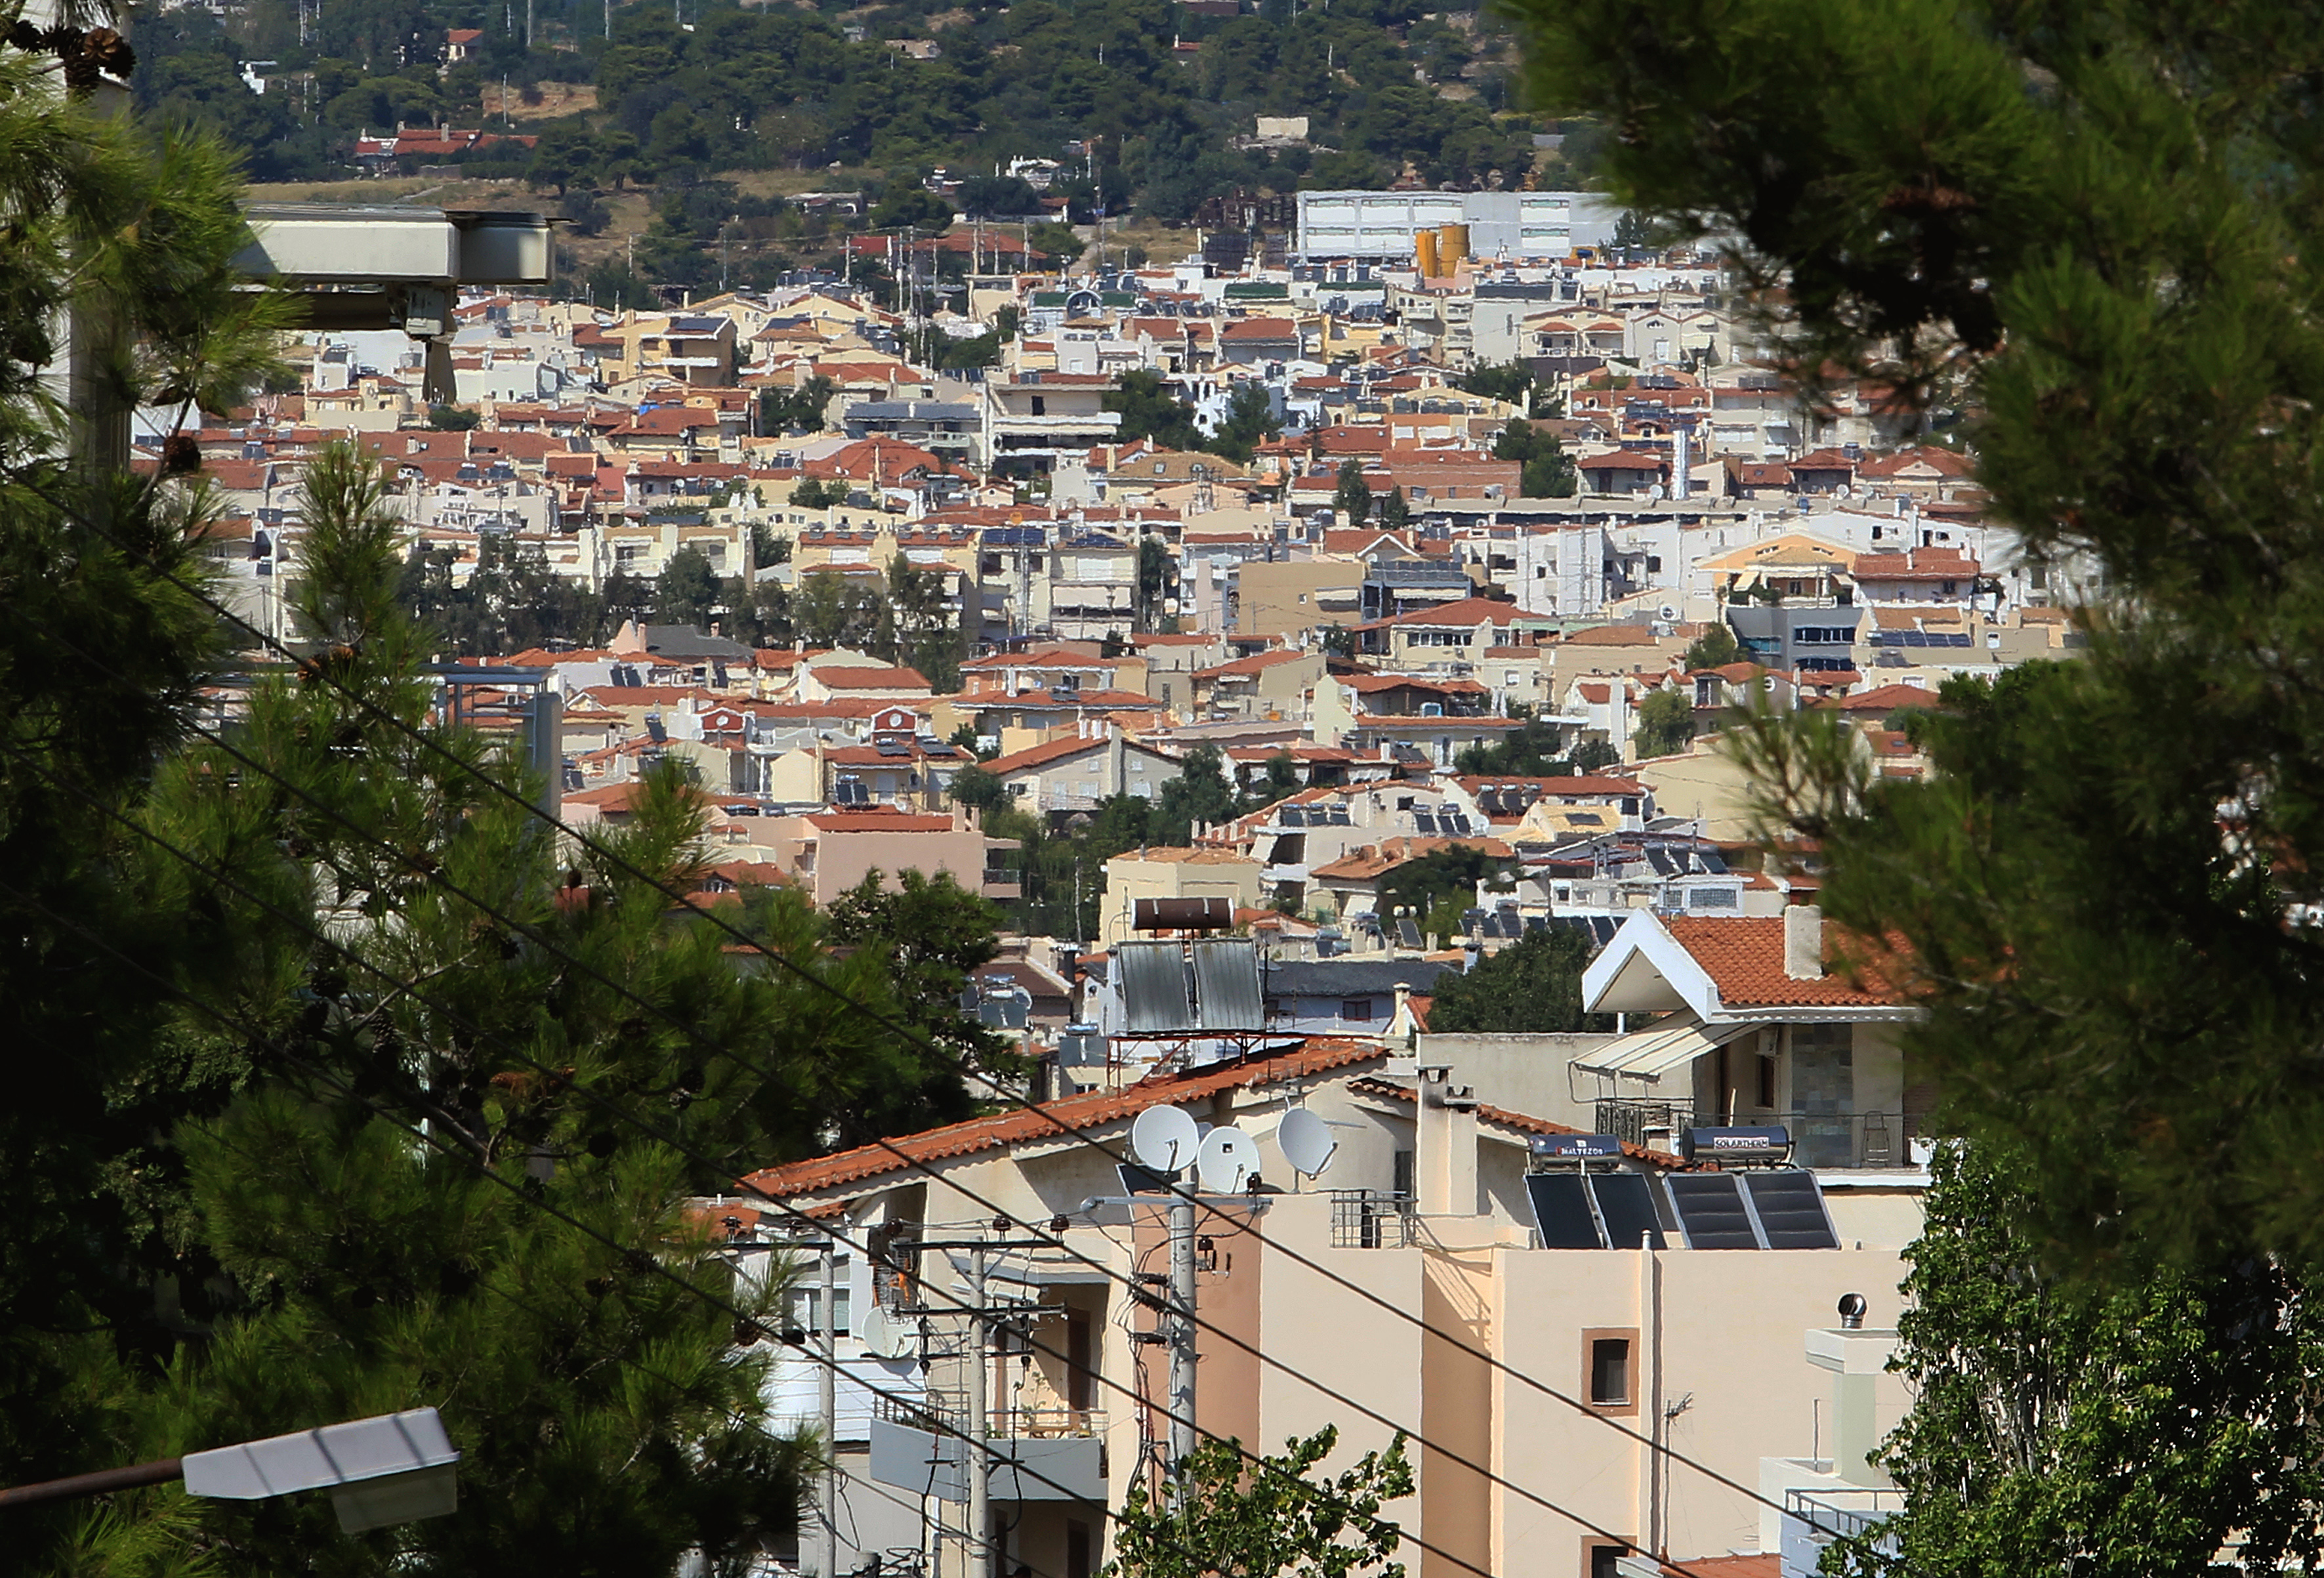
1648, 1055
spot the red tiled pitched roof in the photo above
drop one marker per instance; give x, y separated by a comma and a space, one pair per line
1074, 1114
1744, 958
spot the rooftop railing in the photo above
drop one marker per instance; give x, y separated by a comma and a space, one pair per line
1819, 1140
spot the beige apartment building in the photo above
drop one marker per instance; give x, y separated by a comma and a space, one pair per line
1156, 874
1691, 1393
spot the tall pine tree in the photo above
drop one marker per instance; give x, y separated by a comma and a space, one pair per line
2093, 226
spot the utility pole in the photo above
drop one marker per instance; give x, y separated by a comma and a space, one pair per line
972, 1459
827, 1386
1182, 1336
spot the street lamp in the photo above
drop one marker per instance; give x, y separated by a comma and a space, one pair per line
396, 1468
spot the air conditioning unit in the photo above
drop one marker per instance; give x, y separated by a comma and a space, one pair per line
1432, 709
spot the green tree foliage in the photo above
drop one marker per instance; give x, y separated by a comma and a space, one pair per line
831, 610
1533, 986
979, 791
511, 601
811, 493
452, 419
103, 657
1057, 243
917, 626
2123, 1431
1396, 511
1266, 1517
1665, 723
1157, 575
929, 936
2120, 978
1201, 793
1548, 471
1442, 880
275, 1247
1714, 649
998, 196
1352, 501
687, 592
1249, 421
1512, 381
1149, 409
1535, 752
796, 410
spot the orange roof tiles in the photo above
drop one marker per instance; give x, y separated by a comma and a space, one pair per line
1744, 958
1073, 1114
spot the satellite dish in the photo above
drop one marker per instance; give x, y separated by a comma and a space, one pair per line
1228, 1161
884, 1336
1667, 613
1305, 1141
1164, 1139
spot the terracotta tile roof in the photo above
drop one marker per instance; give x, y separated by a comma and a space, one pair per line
1744, 958
879, 822
1043, 755
1375, 860
1887, 698
1077, 1114
872, 678
1178, 855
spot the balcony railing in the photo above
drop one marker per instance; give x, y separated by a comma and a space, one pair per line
943, 1410
1819, 1140
1371, 1219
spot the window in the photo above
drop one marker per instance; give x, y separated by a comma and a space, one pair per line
1654, 564
1598, 1558
1356, 1009
1040, 406
1606, 1355
1767, 1082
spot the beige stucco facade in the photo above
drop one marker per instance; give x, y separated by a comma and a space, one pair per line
1173, 873
1305, 1327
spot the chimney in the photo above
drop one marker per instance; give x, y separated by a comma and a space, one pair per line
1444, 1145
1804, 942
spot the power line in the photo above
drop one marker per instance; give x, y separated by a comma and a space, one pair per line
912, 1038
195, 863
634, 1256
1129, 1282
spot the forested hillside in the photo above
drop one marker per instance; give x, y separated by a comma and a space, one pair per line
1143, 99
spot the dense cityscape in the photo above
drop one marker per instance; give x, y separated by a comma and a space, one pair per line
800, 792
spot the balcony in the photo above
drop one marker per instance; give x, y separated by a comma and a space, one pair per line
1031, 1454
1371, 1219
1836, 1140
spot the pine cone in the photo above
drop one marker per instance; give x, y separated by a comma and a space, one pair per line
110, 50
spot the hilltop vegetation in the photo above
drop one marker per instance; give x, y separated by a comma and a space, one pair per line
1143, 99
